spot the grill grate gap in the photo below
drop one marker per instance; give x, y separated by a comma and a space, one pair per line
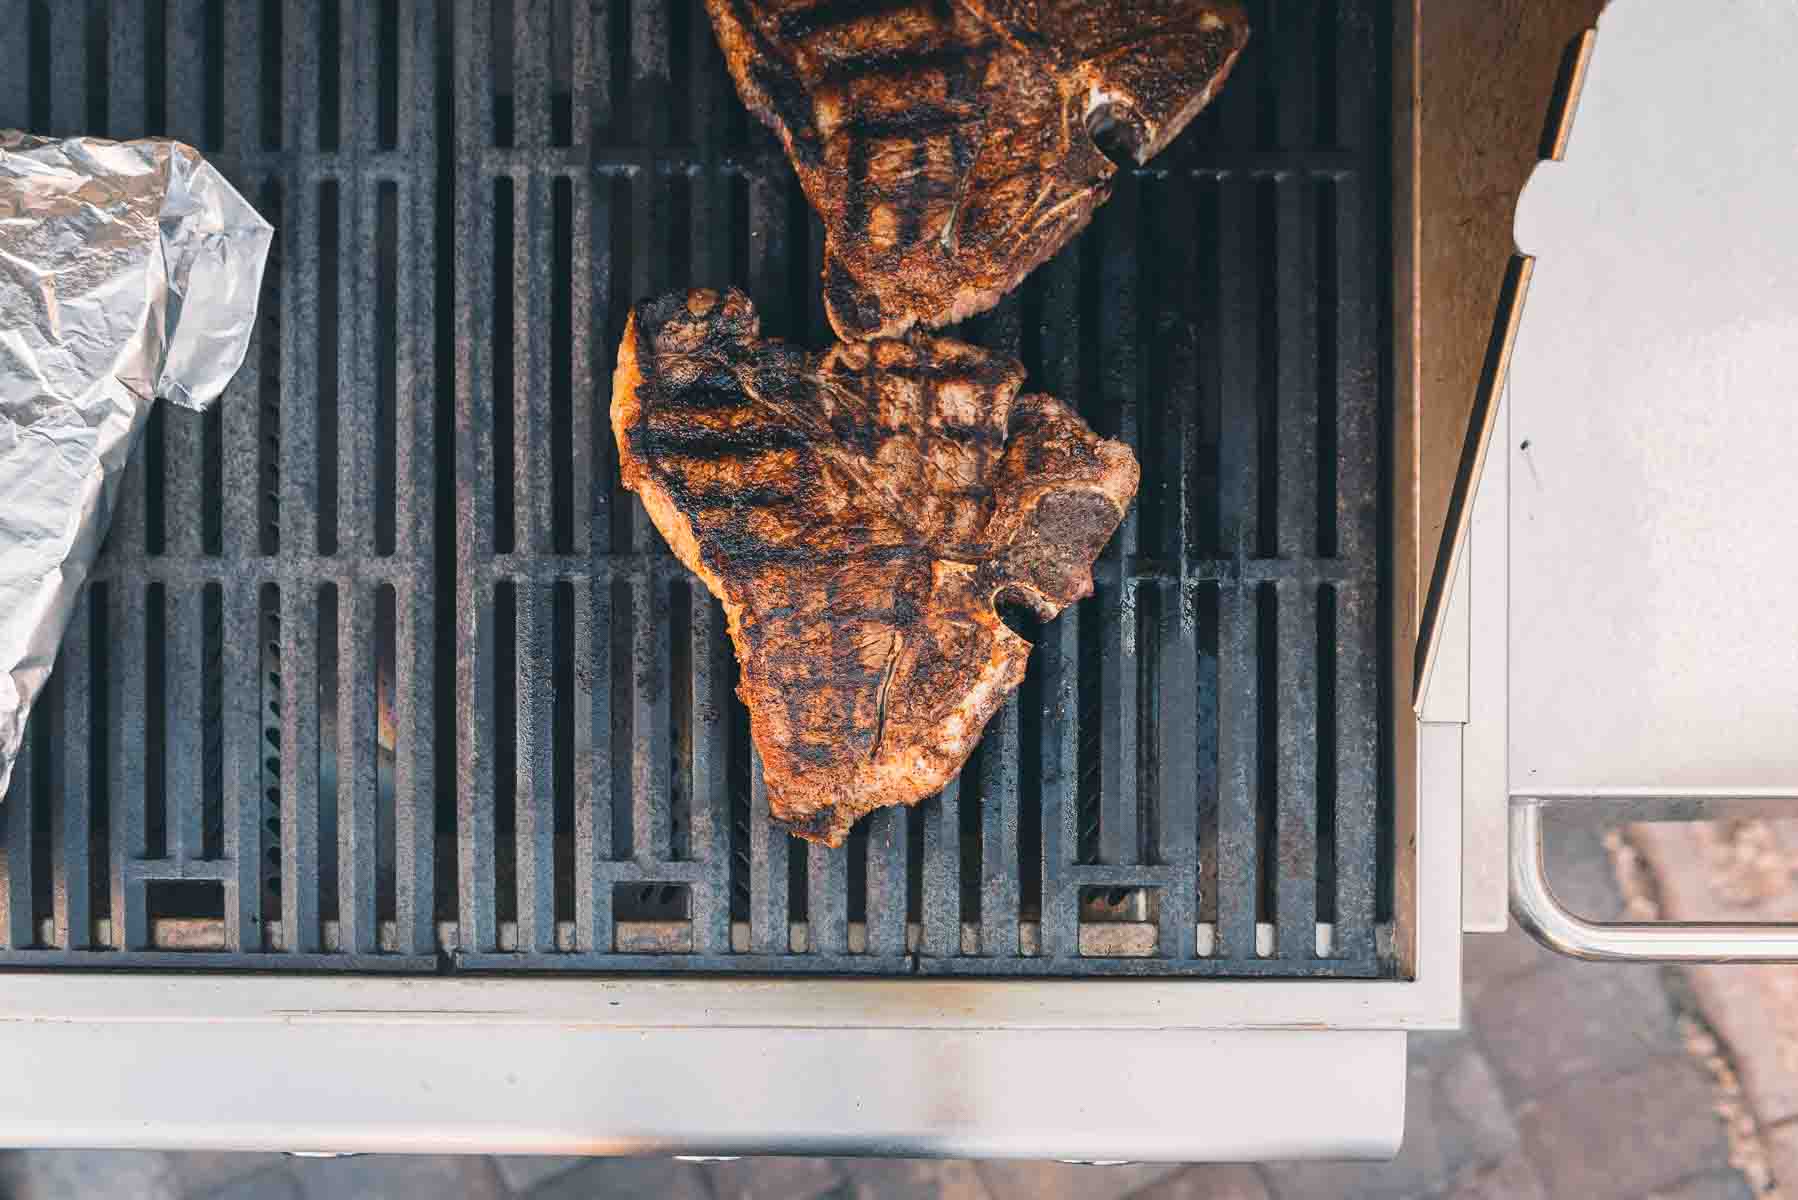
504, 93
1326, 754
273, 94
1208, 781
502, 333
156, 734
623, 616
330, 81
1149, 601
505, 739
798, 881
914, 861
45, 774
1088, 728
387, 744
387, 30
327, 366
88, 862
1267, 370
99, 63
156, 57
680, 711
1030, 773
446, 732
152, 450
212, 708
331, 770
1267, 749
857, 871
618, 47
562, 74
684, 72
562, 718
39, 66
561, 373
618, 301
1328, 451
269, 619
213, 58
737, 775
386, 352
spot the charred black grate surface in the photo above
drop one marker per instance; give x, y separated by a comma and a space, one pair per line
430, 693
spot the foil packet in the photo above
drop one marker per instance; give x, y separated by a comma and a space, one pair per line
128, 271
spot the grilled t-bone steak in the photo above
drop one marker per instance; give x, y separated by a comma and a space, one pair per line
860, 513
949, 144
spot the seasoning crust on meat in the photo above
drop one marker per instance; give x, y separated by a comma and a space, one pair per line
859, 513
949, 145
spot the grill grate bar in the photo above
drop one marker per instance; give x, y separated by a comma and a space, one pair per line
1238, 848
1299, 482
357, 354
300, 820
530, 73
1295, 785
710, 807
70, 833
15, 85
68, 65
125, 711
476, 663
19, 929
941, 888
827, 900
592, 763
999, 883
1356, 772
886, 922
1116, 315
183, 657
533, 443
1059, 653
651, 721
241, 788
358, 727
768, 850
414, 782
536, 805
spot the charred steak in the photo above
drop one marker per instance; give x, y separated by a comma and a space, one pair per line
859, 513
949, 145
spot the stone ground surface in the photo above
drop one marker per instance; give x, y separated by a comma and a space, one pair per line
1570, 1080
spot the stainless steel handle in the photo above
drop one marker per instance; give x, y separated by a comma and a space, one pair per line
1537, 909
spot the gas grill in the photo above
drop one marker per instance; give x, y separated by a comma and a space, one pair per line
391, 790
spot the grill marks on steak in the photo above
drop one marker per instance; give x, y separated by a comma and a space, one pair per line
948, 144
858, 513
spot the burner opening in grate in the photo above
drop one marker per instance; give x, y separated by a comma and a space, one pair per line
190, 899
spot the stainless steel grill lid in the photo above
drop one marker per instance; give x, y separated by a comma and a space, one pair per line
381, 671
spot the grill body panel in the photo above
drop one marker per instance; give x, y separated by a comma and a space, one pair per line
381, 671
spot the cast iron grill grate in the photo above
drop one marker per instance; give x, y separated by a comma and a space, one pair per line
381, 670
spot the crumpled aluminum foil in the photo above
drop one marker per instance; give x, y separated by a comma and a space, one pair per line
128, 270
